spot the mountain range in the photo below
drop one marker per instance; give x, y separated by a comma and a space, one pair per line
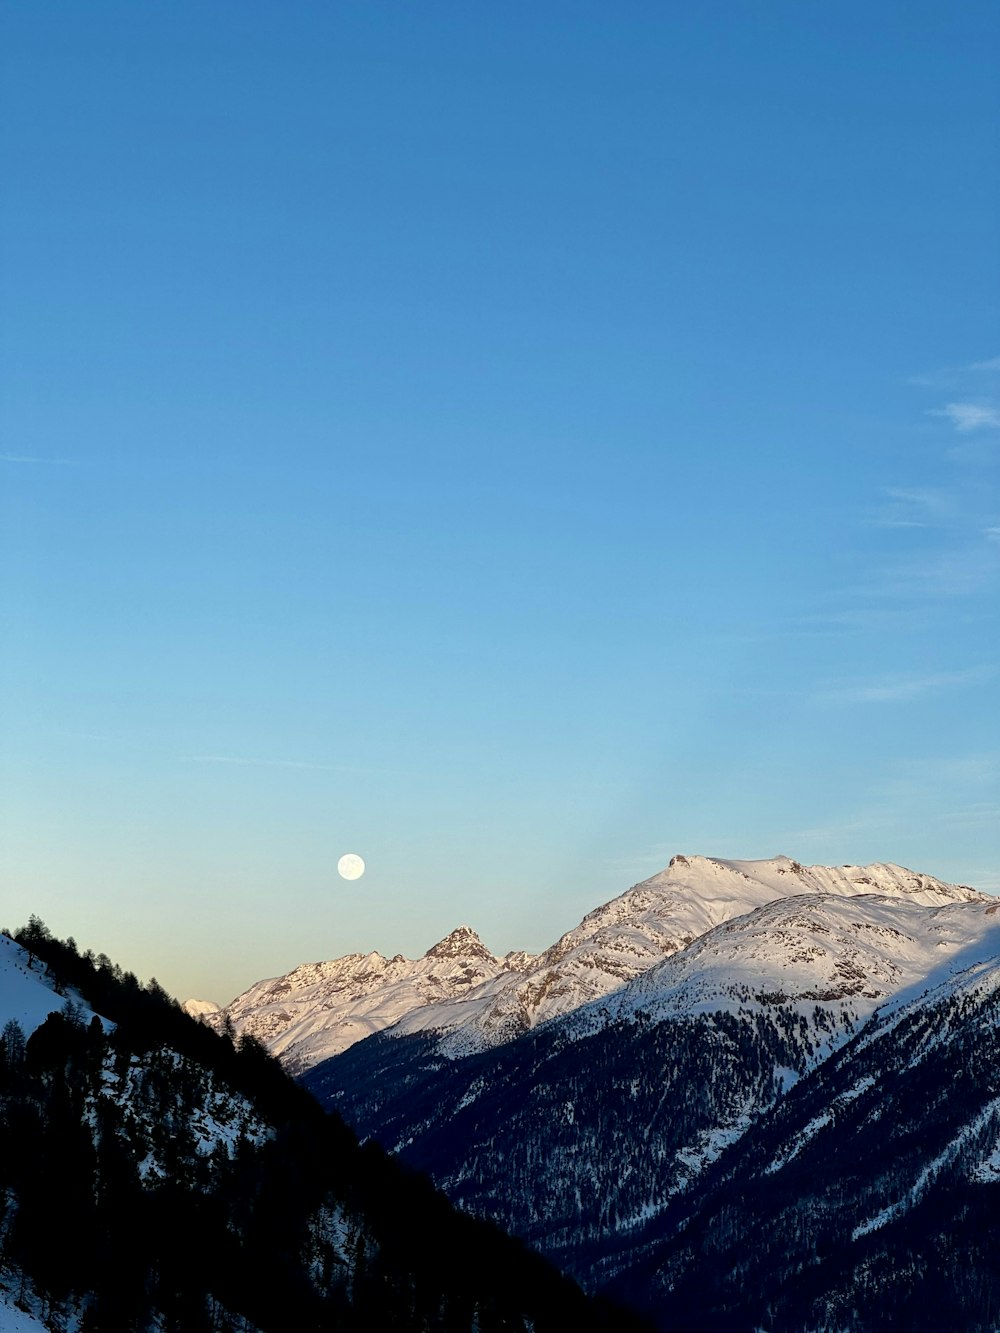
742, 1095
320, 1009
473, 1001
608, 1099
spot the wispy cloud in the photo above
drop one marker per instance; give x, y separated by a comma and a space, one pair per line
900, 689
243, 761
974, 407
32, 458
951, 798
865, 619
928, 498
951, 376
841, 831
913, 507
966, 417
967, 568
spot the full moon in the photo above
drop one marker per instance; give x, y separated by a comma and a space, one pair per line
350, 866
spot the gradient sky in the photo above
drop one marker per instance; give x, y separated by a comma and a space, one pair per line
513, 442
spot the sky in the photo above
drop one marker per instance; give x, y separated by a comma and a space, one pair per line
514, 443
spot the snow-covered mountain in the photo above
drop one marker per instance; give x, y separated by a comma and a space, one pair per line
320, 1009
582, 1132
849, 954
586, 1098
650, 921
866, 1199
473, 1001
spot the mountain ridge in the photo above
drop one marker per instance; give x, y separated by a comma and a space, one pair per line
319, 1009
584, 1131
475, 1000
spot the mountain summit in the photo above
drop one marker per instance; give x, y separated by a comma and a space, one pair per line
463, 942
472, 1000
654, 919
320, 1009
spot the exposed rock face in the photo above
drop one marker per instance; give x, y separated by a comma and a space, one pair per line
320, 1009
463, 942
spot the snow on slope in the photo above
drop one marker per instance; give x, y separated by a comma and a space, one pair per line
26, 993
659, 917
822, 949
320, 1009
13, 1320
951, 998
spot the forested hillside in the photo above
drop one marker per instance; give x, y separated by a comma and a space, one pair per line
867, 1201
154, 1176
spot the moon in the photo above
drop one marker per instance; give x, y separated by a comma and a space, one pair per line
350, 866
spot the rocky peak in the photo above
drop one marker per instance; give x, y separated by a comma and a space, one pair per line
517, 960
463, 942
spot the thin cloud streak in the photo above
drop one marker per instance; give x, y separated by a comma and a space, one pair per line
966, 417
902, 689
888, 689
32, 458
858, 620
951, 376
913, 507
241, 761
962, 571
922, 497
955, 794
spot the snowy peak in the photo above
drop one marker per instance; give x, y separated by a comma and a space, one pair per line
653, 920
319, 1009
827, 949
463, 942
782, 875
517, 960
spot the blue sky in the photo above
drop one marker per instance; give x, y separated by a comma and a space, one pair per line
512, 442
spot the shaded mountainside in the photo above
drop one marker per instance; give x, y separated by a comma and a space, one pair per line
155, 1177
868, 1199
591, 1135
573, 1143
